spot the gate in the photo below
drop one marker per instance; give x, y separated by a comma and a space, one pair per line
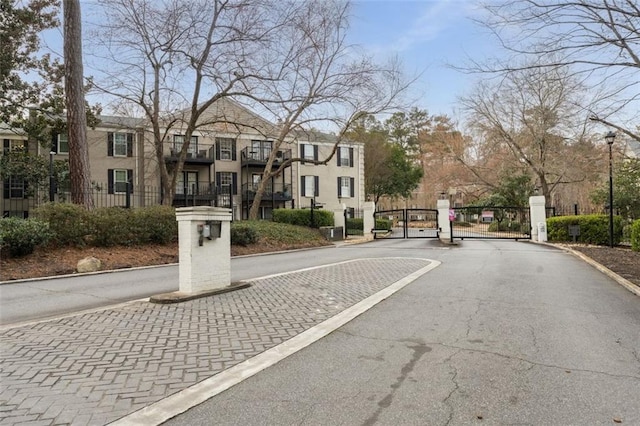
410, 223
511, 223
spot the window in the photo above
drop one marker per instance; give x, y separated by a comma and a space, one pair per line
178, 141
14, 187
226, 148
260, 150
187, 183
63, 144
309, 186
309, 152
227, 182
13, 145
346, 187
118, 181
119, 144
345, 157
255, 180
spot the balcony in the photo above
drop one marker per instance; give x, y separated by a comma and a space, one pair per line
274, 192
198, 154
259, 156
201, 191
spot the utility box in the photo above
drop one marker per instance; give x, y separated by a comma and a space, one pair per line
542, 231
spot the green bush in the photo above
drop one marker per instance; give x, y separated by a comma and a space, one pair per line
383, 224
594, 229
20, 237
355, 224
113, 226
302, 217
70, 224
155, 225
507, 226
635, 235
243, 234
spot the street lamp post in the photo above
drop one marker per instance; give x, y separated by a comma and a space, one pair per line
610, 137
52, 189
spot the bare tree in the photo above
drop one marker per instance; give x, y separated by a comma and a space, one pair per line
530, 120
598, 39
175, 59
319, 78
80, 176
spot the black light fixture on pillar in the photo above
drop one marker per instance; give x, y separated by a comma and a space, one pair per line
610, 137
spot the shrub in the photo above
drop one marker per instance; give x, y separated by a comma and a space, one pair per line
243, 234
508, 226
355, 224
383, 224
594, 229
112, 226
155, 224
70, 224
302, 217
21, 236
635, 235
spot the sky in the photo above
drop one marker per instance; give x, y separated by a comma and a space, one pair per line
428, 36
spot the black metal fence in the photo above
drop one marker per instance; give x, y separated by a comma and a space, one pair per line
19, 202
491, 223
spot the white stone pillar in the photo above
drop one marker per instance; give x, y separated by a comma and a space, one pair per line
338, 218
538, 214
205, 259
444, 226
368, 210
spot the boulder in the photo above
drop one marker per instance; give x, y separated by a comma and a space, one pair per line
88, 264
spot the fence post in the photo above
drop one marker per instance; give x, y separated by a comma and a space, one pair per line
127, 198
445, 230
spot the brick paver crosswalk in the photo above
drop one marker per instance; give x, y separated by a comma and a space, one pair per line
94, 368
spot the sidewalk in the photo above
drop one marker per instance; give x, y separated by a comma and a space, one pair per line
96, 368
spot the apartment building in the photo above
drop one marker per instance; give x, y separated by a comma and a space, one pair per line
224, 164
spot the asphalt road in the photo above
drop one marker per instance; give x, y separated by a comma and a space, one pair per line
500, 333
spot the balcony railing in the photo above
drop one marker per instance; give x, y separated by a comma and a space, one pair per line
201, 190
276, 192
251, 155
199, 153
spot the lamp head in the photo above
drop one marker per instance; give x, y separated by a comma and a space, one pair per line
610, 137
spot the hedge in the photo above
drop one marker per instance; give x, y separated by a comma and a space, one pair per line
20, 237
635, 235
72, 225
355, 224
383, 224
594, 229
302, 217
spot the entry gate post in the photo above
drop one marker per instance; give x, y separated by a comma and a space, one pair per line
444, 226
538, 215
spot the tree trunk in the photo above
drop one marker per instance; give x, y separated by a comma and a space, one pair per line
80, 176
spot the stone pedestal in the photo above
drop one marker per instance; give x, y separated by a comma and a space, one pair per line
205, 254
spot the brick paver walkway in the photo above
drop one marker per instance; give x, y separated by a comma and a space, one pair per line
94, 368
